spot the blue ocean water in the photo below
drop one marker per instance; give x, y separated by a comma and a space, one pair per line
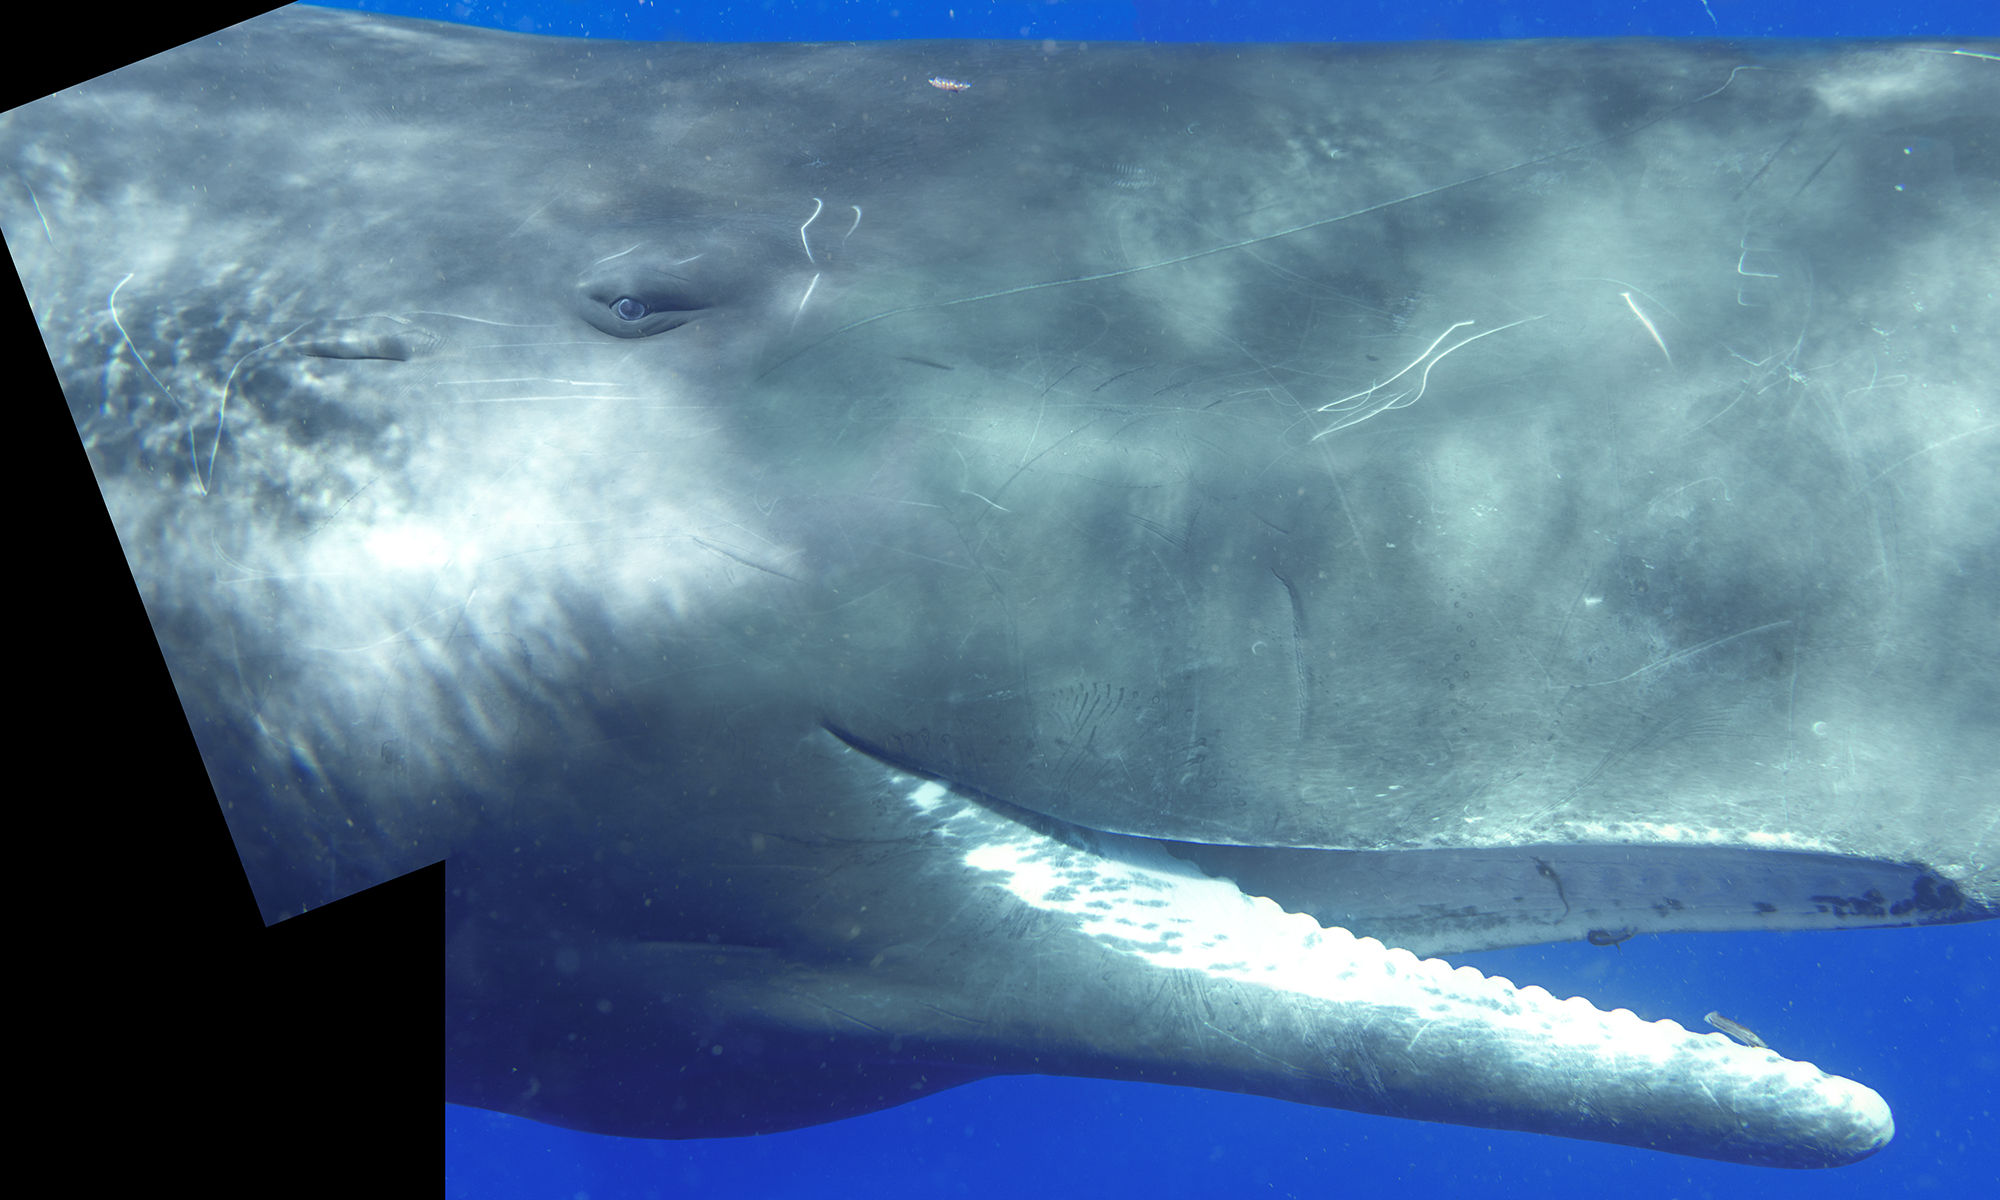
1910, 1012
1202, 20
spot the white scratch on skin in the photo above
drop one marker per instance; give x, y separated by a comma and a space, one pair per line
621, 254
46, 232
803, 299
1926, 450
1363, 404
818, 204
1650, 328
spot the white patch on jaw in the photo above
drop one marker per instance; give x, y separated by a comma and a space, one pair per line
1610, 832
1137, 899
928, 795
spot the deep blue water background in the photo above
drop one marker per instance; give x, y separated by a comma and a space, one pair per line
1910, 1012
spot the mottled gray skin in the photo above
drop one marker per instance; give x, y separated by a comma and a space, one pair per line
1472, 495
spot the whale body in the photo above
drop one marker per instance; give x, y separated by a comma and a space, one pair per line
1106, 564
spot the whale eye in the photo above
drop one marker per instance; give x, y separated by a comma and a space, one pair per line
628, 299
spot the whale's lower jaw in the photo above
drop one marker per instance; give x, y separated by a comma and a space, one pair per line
1106, 956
